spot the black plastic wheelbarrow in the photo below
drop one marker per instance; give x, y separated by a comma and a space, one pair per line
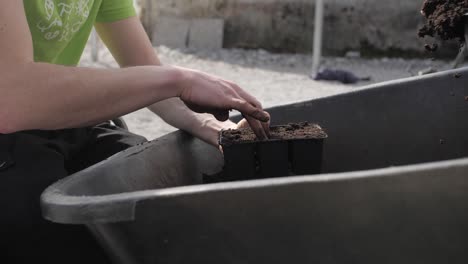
394, 189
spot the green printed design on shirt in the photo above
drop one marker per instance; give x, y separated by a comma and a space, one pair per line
63, 19
61, 28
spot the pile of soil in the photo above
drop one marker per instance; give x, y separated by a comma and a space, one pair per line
302, 130
238, 135
445, 19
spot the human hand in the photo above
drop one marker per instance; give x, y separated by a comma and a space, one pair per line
230, 125
204, 93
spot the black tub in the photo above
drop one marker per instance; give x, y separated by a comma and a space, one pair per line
394, 189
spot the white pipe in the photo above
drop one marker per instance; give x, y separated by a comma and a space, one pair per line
463, 50
466, 31
318, 34
149, 18
94, 46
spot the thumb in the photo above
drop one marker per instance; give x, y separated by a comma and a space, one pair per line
243, 124
221, 115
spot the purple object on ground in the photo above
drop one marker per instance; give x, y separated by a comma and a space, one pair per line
338, 75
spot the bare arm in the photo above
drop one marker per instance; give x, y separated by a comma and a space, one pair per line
44, 96
130, 46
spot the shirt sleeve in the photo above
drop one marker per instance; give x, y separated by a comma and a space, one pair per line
114, 10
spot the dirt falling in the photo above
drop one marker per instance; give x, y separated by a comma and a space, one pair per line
445, 19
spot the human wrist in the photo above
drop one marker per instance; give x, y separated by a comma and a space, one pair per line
210, 129
179, 78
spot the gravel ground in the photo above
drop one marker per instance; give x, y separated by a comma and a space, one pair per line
275, 79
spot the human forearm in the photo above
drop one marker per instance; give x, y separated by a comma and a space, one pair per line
45, 96
204, 126
223, 95
140, 52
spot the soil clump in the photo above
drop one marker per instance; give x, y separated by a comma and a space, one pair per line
445, 19
302, 130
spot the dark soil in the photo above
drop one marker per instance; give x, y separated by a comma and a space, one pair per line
238, 135
431, 48
302, 130
444, 19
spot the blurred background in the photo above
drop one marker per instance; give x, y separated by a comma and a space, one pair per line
268, 46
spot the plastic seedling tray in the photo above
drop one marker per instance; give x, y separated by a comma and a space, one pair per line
306, 156
305, 147
273, 158
239, 159
293, 149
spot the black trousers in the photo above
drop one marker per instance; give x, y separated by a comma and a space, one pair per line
29, 163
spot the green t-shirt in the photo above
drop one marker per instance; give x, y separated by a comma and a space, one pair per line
61, 28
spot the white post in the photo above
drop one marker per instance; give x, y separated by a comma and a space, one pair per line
318, 32
149, 19
464, 49
94, 46
466, 28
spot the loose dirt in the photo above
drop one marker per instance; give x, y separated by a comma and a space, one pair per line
445, 19
302, 130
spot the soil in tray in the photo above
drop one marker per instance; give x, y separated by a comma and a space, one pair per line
302, 130
248, 158
291, 131
445, 19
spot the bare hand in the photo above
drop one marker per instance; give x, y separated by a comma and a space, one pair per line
230, 125
204, 93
